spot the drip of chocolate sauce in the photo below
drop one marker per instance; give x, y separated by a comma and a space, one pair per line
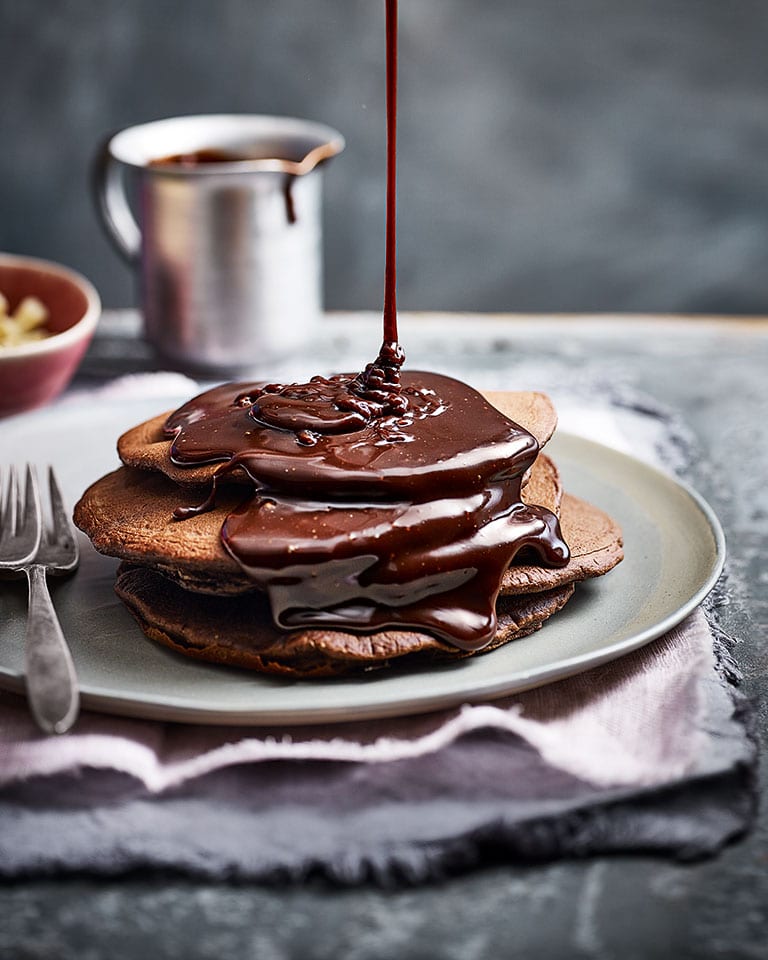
380, 499
290, 206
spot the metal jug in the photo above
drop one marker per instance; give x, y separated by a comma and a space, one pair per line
228, 242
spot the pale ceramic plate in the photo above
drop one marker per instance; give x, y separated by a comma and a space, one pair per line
674, 553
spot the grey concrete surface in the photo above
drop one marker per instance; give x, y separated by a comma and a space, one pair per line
554, 155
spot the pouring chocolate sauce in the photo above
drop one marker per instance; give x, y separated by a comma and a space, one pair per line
380, 499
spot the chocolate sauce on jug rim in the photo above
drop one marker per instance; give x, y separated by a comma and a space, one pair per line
380, 499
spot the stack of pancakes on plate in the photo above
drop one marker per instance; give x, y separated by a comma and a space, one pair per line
187, 592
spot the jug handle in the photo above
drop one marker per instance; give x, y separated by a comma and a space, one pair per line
108, 187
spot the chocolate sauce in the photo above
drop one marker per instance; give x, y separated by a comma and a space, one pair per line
214, 155
290, 207
379, 499
390, 263
402, 519
195, 158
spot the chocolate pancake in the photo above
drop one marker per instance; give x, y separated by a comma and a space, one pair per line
147, 446
129, 514
240, 632
380, 499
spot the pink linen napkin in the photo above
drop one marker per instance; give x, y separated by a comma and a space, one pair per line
636, 721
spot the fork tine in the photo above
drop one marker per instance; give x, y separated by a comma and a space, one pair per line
10, 518
30, 512
17, 510
63, 529
3, 497
62, 525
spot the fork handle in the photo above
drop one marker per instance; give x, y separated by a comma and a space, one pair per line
51, 680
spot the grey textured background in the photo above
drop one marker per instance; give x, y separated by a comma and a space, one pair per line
582, 155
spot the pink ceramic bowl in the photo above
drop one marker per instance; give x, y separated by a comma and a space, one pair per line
32, 374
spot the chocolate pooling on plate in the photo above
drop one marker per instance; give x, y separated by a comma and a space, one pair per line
380, 499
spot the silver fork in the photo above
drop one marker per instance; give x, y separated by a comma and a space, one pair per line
51, 680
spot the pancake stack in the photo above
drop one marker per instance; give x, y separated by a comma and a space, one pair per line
188, 592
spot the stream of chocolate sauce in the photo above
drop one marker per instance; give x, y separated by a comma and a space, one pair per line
380, 499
